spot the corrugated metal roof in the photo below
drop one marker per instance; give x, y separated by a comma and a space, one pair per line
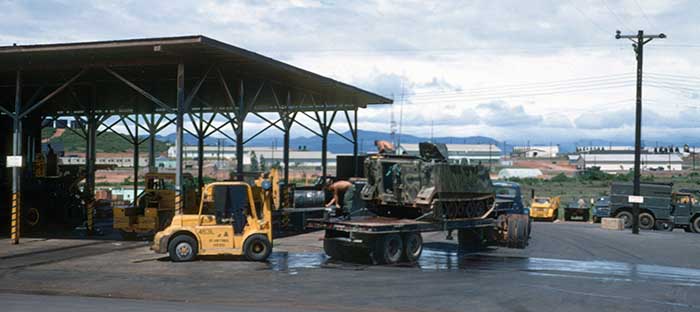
151, 62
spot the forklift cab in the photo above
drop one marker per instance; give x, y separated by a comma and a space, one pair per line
234, 218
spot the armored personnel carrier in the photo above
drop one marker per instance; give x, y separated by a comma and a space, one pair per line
426, 186
405, 196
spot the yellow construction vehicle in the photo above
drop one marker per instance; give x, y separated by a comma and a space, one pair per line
234, 218
155, 207
545, 208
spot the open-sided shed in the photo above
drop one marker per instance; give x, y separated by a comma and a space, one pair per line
149, 84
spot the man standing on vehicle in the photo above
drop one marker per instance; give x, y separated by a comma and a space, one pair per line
345, 190
384, 147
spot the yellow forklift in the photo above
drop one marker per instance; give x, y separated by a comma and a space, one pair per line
234, 218
155, 206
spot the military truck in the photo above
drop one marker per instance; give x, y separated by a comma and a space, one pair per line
406, 195
662, 209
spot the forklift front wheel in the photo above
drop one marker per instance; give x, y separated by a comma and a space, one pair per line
182, 248
257, 248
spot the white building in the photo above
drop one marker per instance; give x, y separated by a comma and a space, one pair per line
469, 153
296, 157
519, 173
614, 163
537, 151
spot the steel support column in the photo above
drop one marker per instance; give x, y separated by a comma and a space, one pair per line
200, 150
90, 158
324, 144
180, 111
354, 146
285, 154
240, 118
152, 146
136, 157
16, 151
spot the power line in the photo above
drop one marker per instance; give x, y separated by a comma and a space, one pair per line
588, 17
622, 23
651, 25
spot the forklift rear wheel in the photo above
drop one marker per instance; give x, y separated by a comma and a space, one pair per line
646, 221
413, 243
257, 248
182, 248
388, 249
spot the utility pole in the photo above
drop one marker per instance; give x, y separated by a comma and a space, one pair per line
639, 41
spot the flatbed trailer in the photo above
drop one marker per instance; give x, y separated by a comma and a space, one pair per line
388, 240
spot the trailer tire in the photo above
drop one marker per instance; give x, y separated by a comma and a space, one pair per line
517, 232
626, 217
388, 249
413, 246
257, 248
182, 248
646, 221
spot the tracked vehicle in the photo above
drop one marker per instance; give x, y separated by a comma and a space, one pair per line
405, 195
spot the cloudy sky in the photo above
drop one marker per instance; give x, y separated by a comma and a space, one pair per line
542, 71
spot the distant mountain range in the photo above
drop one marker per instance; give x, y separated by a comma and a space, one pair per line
336, 143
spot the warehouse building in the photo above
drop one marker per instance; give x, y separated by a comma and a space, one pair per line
541, 151
621, 163
466, 153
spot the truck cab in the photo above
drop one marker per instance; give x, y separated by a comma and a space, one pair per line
509, 198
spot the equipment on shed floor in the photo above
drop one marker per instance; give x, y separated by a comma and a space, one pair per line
234, 218
155, 207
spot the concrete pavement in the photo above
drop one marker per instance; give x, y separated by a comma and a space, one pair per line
567, 267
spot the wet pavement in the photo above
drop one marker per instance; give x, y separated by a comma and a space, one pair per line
567, 267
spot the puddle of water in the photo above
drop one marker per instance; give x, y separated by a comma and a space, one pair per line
451, 260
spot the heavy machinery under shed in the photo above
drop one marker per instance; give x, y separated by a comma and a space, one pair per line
147, 85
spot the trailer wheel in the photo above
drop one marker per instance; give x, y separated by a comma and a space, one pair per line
517, 232
388, 249
413, 246
257, 247
646, 221
182, 248
626, 217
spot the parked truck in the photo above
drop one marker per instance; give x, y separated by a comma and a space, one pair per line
662, 209
405, 196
